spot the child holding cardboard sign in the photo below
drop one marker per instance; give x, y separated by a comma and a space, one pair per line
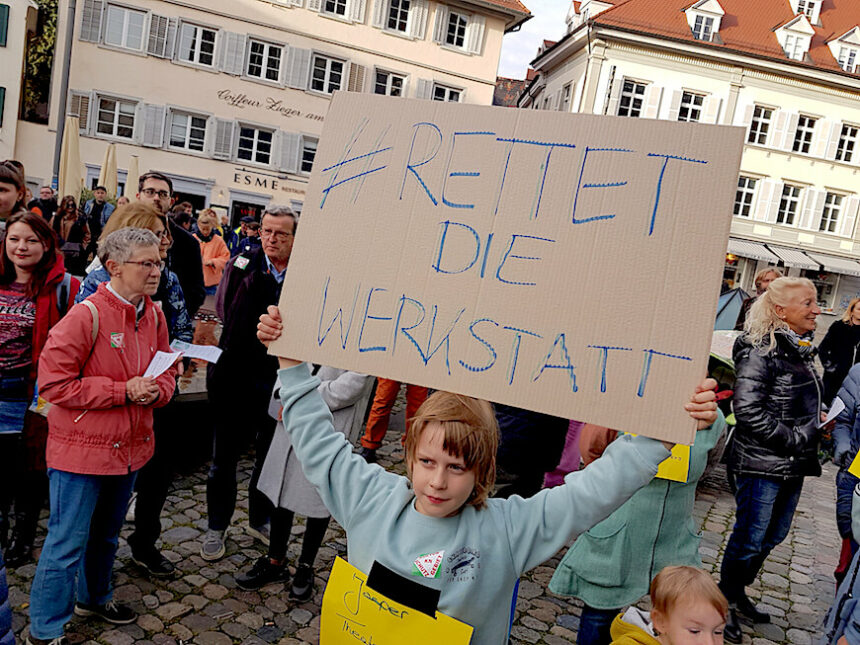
438, 525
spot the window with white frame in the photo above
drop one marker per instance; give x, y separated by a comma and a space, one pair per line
691, 107
398, 15
566, 93
632, 98
124, 27
388, 84
187, 131
197, 45
794, 46
745, 196
264, 60
255, 144
335, 7
806, 7
455, 35
703, 28
759, 125
326, 74
830, 214
309, 153
803, 134
444, 93
115, 117
789, 204
848, 59
847, 142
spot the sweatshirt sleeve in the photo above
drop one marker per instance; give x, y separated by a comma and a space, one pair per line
348, 485
539, 526
344, 390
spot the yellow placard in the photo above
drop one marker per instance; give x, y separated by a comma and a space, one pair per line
854, 468
676, 467
352, 612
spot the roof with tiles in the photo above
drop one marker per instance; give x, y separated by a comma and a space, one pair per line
748, 25
511, 5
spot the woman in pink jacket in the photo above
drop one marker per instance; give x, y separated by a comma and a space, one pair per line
213, 249
91, 370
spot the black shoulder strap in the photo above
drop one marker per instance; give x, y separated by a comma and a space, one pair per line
63, 290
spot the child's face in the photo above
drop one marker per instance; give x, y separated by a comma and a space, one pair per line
691, 622
441, 481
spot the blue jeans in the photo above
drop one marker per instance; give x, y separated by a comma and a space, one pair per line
87, 512
594, 626
765, 508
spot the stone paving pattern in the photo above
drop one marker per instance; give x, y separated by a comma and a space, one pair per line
203, 605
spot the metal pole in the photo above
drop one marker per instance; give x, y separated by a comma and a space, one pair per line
64, 89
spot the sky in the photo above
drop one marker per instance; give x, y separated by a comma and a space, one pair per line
521, 47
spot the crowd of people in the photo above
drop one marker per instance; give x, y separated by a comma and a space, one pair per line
89, 293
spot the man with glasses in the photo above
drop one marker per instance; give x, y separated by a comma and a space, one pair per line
245, 373
184, 255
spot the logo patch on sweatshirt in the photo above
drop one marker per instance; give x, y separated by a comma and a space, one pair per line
427, 565
117, 340
241, 262
462, 565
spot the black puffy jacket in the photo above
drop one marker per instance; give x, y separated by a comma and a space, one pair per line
838, 352
776, 403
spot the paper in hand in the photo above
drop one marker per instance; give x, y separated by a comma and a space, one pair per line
161, 362
209, 353
836, 407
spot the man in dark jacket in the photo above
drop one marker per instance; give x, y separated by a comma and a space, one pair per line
183, 258
46, 202
246, 373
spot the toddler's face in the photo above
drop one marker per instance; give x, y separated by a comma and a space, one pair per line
691, 622
441, 481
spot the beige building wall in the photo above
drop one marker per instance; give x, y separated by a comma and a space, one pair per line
22, 19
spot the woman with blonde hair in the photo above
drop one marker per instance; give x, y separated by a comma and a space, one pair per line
840, 349
777, 404
213, 250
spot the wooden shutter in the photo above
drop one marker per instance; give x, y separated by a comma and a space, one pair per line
357, 74
231, 59
776, 132
300, 68
79, 106
290, 151
675, 105
417, 23
711, 109
748, 114
222, 147
315, 5
652, 101
763, 205
476, 34
153, 125
440, 24
162, 36
380, 10
424, 89
813, 207
614, 96
91, 21
773, 205
297, 3
833, 140
849, 216
356, 10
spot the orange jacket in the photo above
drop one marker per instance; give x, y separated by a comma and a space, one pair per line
215, 251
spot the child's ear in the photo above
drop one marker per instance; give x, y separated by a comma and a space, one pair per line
659, 622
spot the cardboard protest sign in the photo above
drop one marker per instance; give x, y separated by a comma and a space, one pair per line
564, 263
352, 611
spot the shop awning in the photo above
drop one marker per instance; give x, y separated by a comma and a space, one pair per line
748, 249
794, 258
836, 265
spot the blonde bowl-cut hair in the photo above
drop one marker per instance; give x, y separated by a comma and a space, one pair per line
846, 317
470, 433
763, 321
136, 215
761, 275
677, 583
207, 215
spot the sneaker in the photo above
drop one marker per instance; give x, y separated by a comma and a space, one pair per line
154, 563
263, 572
303, 583
213, 545
368, 454
32, 640
732, 631
110, 612
259, 532
129, 511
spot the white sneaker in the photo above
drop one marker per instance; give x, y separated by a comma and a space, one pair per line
213, 547
259, 532
132, 505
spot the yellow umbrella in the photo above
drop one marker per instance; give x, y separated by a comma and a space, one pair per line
132, 177
107, 174
70, 178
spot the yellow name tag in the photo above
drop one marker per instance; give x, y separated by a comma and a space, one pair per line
353, 613
854, 468
677, 467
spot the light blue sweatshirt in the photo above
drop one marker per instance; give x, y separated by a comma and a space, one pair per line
484, 551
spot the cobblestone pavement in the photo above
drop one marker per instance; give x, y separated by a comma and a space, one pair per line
203, 605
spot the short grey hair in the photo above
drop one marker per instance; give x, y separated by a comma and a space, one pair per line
120, 245
281, 211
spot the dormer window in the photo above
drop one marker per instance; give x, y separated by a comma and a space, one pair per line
703, 28
846, 50
795, 37
704, 19
793, 47
809, 8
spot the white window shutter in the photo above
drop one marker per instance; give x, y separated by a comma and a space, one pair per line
849, 216
748, 114
440, 24
833, 140
790, 130
222, 147
91, 21
380, 11
675, 105
153, 125
300, 68
810, 214
775, 199
417, 23
652, 101
819, 138
424, 89
614, 96
766, 200
315, 5
79, 106
231, 53
356, 11
157, 41
779, 123
476, 34
711, 109
290, 150
357, 74
297, 3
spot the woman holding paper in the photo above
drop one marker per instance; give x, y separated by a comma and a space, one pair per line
777, 404
100, 431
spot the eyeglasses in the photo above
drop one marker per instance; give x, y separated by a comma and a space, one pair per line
278, 235
164, 234
151, 192
149, 265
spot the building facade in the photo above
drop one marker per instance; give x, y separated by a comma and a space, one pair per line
784, 70
228, 97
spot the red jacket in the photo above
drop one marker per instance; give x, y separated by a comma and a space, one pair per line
93, 430
47, 312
